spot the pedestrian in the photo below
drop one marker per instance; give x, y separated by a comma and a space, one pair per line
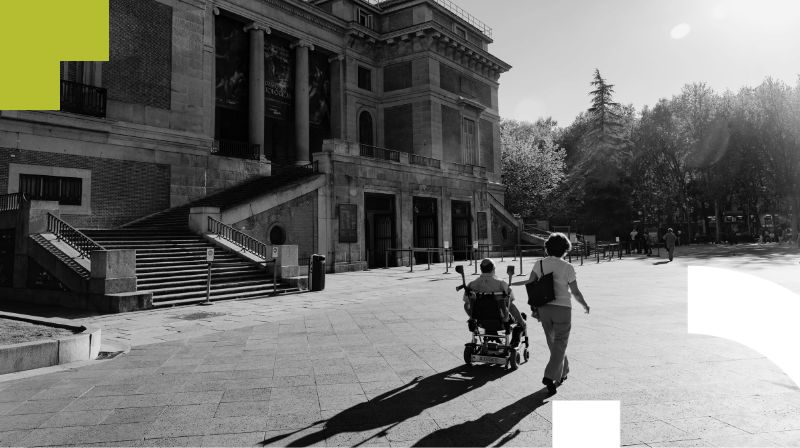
556, 316
678, 241
669, 241
648, 250
634, 241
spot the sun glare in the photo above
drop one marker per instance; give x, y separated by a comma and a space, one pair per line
680, 31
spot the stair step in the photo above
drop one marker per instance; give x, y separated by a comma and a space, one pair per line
163, 263
189, 301
215, 287
155, 283
219, 292
186, 272
200, 255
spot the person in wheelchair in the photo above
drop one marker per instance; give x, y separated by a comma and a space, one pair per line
488, 283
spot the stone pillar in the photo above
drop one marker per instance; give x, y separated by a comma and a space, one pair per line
337, 96
256, 112
301, 106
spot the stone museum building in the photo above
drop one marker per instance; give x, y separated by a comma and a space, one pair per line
261, 128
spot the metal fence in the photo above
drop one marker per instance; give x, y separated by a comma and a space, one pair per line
83, 99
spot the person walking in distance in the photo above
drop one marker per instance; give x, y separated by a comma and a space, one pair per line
556, 316
669, 241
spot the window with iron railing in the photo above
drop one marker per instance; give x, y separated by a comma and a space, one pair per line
65, 190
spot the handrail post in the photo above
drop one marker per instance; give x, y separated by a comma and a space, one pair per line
386, 258
411, 258
428, 256
520, 260
274, 277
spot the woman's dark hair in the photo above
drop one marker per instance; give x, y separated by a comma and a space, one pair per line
557, 244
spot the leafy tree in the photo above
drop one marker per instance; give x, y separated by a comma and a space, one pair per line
533, 165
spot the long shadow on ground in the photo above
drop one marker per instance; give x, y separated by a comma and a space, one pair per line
397, 405
487, 429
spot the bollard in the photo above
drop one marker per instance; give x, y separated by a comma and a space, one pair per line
476, 263
520, 261
410, 259
428, 256
385, 259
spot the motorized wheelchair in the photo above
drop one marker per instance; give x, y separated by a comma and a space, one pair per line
492, 329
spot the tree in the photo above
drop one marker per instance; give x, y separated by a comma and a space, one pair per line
533, 165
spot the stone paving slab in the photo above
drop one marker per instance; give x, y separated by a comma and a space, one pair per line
376, 360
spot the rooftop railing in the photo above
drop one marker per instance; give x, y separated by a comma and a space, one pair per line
455, 9
72, 236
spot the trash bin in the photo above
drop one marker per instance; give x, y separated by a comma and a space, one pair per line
317, 273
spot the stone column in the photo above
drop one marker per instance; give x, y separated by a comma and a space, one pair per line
337, 96
301, 107
256, 111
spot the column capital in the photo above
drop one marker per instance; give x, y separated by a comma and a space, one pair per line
257, 27
302, 43
336, 57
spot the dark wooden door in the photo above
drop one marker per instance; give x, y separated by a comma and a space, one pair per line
425, 228
462, 229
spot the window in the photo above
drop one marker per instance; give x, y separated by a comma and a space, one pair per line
461, 32
65, 190
470, 155
364, 78
277, 236
364, 18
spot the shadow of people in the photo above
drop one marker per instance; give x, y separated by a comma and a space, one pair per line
399, 404
661, 262
487, 429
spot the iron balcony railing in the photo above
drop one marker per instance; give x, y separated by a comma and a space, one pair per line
240, 150
246, 242
83, 99
416, 159
12, 201
379, 153
72, 236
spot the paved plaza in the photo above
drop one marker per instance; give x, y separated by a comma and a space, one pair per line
376, 360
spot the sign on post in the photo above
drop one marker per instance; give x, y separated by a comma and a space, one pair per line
210, 255
275, 252
447, 244
474, 244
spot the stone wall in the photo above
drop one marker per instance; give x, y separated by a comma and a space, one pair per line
297, 217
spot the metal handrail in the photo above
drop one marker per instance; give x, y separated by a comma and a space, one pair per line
12, 201
239, 238
465, 16
72, 236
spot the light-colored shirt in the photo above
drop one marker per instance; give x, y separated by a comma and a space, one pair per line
489, 283
563, 275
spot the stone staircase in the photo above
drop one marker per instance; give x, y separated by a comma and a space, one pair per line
171, 263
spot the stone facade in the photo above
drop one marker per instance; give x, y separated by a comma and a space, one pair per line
395, 100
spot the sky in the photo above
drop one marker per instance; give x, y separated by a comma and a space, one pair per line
648, 49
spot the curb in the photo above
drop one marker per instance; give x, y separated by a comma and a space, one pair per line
83, 346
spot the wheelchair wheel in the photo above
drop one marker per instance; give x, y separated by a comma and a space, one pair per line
513, 359
468, 355
526, 354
